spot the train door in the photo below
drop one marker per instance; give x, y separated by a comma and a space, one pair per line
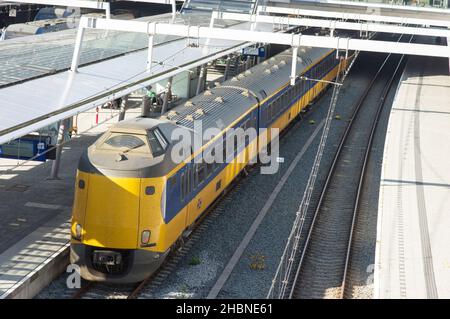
186, 190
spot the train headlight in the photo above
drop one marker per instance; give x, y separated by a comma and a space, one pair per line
78, 231
145, 237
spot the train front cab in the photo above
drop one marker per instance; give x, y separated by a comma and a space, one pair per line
118, 232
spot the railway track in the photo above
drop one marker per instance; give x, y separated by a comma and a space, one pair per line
323, 265
145, 289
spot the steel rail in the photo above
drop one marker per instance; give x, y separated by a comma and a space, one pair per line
362, 175
331, 171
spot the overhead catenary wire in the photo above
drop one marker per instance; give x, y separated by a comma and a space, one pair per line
281, 279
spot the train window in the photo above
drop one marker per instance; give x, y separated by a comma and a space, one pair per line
275, 107
225, 158
236, 142
210, 157
185, 182
161, 138
196, 179
124, 143
252, 122
155, 143
245, 125
201, 174
209, 169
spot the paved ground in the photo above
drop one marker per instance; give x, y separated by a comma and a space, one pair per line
412, 257
35, 210
29, 198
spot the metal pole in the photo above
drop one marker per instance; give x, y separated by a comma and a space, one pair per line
150, 53
294, 65
107, 10
56, 163
227, 68
167, 95
123, 108
236, 65
174, 9
189, 80
200, 86
248, 63
145, 106
77, 49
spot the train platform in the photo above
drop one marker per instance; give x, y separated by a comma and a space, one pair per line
412, 256
34, 228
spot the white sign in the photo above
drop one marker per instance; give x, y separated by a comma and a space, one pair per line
250, 51
13, 13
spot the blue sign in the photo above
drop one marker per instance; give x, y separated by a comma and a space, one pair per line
27, 147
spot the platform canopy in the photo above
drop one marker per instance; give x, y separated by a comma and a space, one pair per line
38, 88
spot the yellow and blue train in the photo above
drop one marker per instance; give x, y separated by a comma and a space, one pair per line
133, 202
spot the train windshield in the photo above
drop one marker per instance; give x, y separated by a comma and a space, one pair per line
157, 142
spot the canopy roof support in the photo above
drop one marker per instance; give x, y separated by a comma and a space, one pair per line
354, 16
333, 24
365, 5
289, 39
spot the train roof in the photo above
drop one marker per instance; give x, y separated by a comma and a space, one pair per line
138, 123
222, 105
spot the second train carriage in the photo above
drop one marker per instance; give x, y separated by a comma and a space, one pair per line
133, 201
